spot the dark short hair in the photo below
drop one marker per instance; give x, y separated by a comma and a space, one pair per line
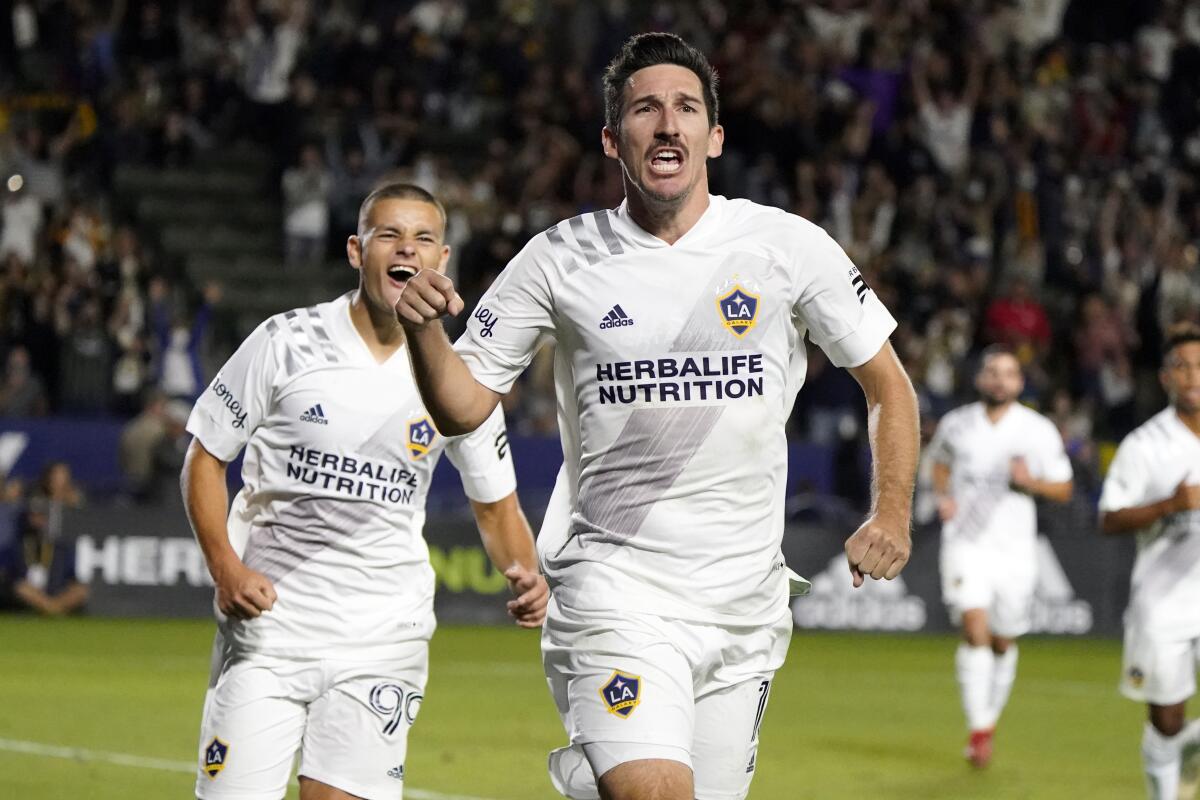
398, 191
1179, 334
998, 349
648, 50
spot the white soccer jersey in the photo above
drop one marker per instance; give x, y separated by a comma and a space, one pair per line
1149, 465
979, 454
676, 367
339, 455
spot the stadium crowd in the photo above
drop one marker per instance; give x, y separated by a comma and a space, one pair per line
1018, 171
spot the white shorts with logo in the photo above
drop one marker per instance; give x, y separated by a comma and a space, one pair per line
636, 686
1001, 584
348, 720
1158, 667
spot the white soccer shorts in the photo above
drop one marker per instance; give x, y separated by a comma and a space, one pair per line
636, 686
348, 720
999, 583
1157, 668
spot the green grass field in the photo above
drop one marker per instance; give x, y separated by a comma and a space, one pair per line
851, 716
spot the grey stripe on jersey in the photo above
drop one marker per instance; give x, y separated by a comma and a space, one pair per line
555, 236
299, 335
606, 232
588, 249
659, 441
655, 445
277, 555
289, 359
313, 317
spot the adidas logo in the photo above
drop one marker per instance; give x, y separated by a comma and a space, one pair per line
878, 605
315, 414
616, 318
396, 772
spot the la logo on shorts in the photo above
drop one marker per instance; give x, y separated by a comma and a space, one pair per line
215, 755
1136, 677
622, 693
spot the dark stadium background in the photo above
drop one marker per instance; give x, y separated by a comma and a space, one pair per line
174, 172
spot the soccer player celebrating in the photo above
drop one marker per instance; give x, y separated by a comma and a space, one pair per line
1153, 489
679, 320
323, 583
991, 459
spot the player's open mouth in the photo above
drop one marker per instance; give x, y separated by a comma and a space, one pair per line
666, 161
400, 273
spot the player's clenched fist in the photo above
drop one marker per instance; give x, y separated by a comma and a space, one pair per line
532, 595
879, 548
243, 593
427, 296
1186, 497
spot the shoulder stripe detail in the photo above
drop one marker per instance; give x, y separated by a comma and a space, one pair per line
585, 242
289, 359
272, 327
323, 340
570, 262
604, 225
299, 335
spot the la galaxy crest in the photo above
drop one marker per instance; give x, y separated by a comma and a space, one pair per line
216, 753
420, 437
738, 309
622, 694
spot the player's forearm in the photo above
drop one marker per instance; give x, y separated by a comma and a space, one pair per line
1135, 518
1058, 491
505, 533
893, 425
941, 479
457, 402
206, 500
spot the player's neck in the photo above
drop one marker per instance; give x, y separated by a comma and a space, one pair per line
996, 412
1191, 420
667, 221
380, 332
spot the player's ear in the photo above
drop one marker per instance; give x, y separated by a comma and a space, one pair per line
445, 258
716, 141
354, 251
608, 140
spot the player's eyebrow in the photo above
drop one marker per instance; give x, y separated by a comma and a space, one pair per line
657, 98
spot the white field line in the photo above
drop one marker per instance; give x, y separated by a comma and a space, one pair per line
83, 754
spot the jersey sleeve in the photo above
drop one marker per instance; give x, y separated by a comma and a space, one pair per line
1053, 463
238, 399
484, 461
940, 449
844, 317
1125, 485
514, 317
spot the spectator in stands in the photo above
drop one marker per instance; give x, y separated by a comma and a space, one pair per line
42, 571
86, 362
180, 371
1017, 319
138, 443
21, 216
307, 188
21, 392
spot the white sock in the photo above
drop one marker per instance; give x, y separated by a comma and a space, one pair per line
1160, 760
973, 666
1004, 672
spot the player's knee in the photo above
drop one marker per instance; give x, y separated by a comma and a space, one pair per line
1000, 645
647, 779
1168, 720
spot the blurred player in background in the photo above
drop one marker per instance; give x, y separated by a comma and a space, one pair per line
679, 320
1153, 489
323, 581
991, 460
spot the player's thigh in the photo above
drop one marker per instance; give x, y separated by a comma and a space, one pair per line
646, 779
1158, 669
725, 743
627, 685
357, 734
252, 727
